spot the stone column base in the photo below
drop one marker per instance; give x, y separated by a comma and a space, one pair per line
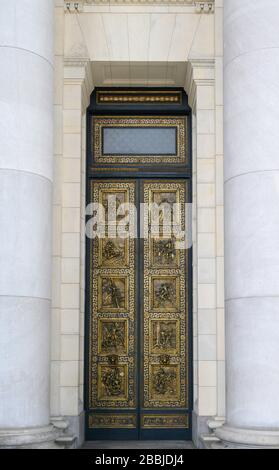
30, 438
256, 437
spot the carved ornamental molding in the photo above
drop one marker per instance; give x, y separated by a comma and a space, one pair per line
73, 7
204, 7
200, 5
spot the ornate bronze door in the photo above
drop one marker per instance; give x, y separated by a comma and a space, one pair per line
138, 327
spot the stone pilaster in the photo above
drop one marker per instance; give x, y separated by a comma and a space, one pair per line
200, 86
78, 86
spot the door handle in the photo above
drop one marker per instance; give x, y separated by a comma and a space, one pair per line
164, 359
113, 359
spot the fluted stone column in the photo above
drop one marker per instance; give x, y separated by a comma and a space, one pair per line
26, 159
251, 85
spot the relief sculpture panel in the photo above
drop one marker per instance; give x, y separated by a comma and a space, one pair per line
114, 252
165, 309
113, 336
164, 336
114, 343
112, 309
112, 382
163, 253
113, 293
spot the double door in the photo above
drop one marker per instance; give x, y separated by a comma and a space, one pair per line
138, 377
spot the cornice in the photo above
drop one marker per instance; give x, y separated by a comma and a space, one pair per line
78, 72
201, 6
200, 72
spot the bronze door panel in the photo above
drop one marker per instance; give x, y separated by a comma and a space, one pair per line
138, 344
165, 310
112, 322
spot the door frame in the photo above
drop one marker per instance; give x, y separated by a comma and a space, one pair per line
96, 109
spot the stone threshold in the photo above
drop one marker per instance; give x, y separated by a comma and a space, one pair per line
138, 445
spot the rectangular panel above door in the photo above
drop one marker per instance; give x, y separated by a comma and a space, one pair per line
143, 140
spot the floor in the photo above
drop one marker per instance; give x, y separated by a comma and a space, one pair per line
138, 445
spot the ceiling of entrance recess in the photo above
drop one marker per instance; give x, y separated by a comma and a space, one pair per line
145, 34
139, 73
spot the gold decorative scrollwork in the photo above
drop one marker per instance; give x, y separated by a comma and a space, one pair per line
180, 123
146, 97
112, 311
113, 336
112, 421
165, 421
165, 308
